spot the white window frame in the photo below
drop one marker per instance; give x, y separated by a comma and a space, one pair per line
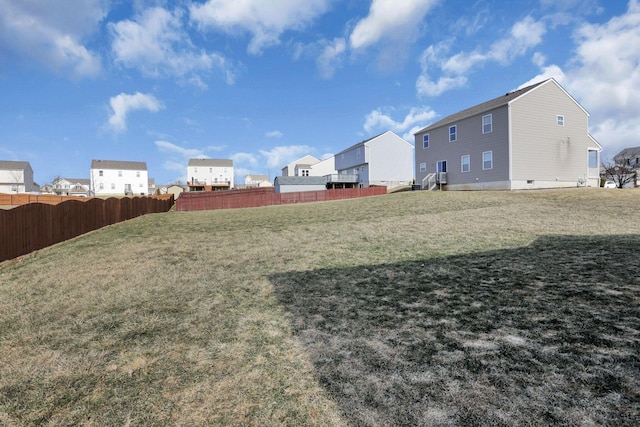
454, 133
425, 141
467, 163
487, 127
484, 161
560, 120
423, 167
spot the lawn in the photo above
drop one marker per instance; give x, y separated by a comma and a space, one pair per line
415, 308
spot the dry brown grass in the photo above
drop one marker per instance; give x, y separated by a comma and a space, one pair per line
220, 317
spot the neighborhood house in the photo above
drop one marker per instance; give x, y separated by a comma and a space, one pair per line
113, 177
384, 160
534, 137
210, 174
16, 177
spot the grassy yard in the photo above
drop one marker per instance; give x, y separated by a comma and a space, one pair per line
413, 308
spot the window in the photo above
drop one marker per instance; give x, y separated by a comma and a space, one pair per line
99, 173
113, 186
560, 120
305, 172
210, 170
423, 167
137, 174
119, 173
465, 163
453, 133
487, 123
487, 160
425, 140
593, 159
140, 185
101, 186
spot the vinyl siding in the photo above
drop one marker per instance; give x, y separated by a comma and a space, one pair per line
470, 141
542, 150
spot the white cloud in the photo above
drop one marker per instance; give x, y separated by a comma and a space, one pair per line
156, 44
389, 18
278, 157
453, 70
604, 76
330, 57
245, 159
416, 119
123, 104
265, 21
52, 33
187, 153
273, 134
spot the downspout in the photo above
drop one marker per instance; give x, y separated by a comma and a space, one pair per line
510, 144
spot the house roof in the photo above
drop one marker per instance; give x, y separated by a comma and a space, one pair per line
301, 180
480, 108
211, 162
81, 181
13, 165
628, 153
258, 177
118, 164
360, 143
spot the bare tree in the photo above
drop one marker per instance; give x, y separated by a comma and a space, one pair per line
624, 168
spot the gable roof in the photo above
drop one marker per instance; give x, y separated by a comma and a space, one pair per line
480, 108
13, 165
211, 162
118, 164
628, 153
361, 143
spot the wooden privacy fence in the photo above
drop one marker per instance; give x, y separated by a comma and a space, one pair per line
48, 199
200, 200
35, 226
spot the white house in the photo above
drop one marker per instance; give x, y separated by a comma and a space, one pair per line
385, 159
534, 137
16, 177
310, 166
210, 174
116, 178
253, 181
72, 187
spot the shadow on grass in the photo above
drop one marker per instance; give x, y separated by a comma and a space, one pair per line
539, 335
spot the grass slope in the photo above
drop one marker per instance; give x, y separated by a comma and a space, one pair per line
407, 309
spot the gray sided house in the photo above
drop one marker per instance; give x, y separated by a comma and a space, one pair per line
534, 137
290, 184
385, 159
16, 177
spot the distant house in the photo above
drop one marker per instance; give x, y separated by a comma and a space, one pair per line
254, 181
80, 187
289, 184
16, 177
310, 166
385, 159
117, 178
534, 137
210, 174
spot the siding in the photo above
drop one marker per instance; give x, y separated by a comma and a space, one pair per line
470, 141
541, 150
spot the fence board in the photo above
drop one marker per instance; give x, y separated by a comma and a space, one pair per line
36, 225
211, 200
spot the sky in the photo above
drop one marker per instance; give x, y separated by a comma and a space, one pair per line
265, 82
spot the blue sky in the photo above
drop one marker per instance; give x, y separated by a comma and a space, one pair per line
264, 82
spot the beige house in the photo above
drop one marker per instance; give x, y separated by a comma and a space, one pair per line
16, 177
534, 137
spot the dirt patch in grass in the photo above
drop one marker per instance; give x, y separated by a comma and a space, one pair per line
546, 334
